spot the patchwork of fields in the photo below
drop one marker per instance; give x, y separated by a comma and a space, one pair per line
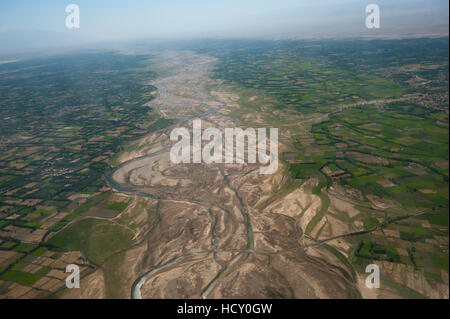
65, 120
369, 120
363, 177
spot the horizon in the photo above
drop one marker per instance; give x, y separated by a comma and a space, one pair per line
26, 27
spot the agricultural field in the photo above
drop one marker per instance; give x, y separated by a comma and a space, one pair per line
369, 120
64, 119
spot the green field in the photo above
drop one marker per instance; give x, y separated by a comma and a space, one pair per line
96, 239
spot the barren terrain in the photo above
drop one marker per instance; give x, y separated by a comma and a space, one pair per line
212, 239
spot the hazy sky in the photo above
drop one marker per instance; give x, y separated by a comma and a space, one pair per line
24, 22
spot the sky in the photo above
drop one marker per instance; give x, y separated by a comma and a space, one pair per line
41, 23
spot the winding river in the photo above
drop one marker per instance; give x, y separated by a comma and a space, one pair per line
132, 190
